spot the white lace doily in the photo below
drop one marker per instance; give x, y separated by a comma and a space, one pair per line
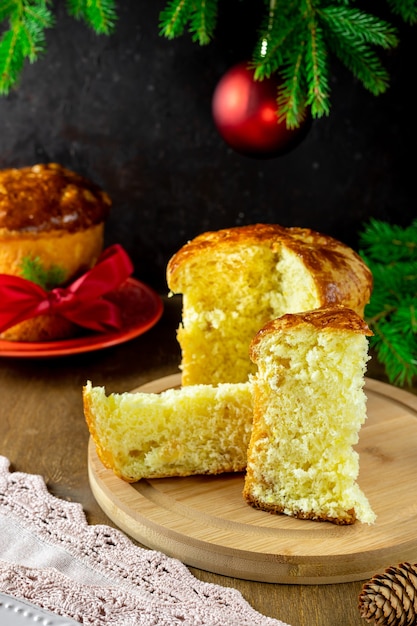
50, 556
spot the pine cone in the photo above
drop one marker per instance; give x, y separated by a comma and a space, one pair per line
390, 599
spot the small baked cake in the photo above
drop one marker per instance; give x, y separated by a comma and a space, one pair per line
235, 280
180, 432
309, 405
54, 217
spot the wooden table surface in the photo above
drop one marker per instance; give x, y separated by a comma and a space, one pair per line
42, 431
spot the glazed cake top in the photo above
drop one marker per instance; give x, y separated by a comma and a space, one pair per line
47, 197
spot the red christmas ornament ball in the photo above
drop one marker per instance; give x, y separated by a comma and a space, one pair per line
245, 114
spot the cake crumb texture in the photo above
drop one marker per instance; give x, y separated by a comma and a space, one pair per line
180, 432
309, 406
235, 280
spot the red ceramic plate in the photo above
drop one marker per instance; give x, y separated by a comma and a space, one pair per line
141, 308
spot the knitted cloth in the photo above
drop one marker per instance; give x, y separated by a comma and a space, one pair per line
51, 557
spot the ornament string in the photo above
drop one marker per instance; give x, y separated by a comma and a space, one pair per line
264, 44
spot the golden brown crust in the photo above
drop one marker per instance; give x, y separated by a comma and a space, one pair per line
227, 237
326, 318
349, 518
48, 197
340, 275
105, 458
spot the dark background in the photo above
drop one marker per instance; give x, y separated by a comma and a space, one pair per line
133, 112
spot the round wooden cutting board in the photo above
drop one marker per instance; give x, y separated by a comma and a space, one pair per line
204, 522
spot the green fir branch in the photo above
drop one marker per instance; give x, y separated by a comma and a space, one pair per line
297, 39
357, 26
406, 9
293, 46
33, 270
6, 9
182, 15
292, 104
276, 34
202, 23
317, 71
35, 20
100, 15
174, 18
389, 241
24, 31
391, 254
11, 60
395, 353
24, 39
352, 36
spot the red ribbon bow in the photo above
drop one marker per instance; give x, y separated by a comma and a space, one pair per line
82, 302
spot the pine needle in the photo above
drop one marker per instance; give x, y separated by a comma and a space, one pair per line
174, 18
202, 23
100, 15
